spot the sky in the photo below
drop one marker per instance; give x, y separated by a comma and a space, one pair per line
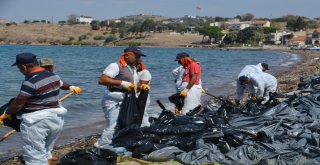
59, 10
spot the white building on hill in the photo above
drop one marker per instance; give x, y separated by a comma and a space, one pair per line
84, 20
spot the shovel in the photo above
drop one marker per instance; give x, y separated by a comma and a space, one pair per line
13, 131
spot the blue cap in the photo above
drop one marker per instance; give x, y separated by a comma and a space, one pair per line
181, 55
25, 58
243, 79
134, 49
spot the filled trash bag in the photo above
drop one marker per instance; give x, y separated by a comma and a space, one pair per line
177, 100
90, 157
132, 109
14, 122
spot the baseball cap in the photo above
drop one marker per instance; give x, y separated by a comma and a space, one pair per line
25, 58
181, 55
46, 62
265, 66
134, 49
243, 79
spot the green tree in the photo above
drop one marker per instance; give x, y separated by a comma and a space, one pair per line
247, 17
230, 38
300, 24
147, 26
250, 35
210, 32
95, 25
72, 19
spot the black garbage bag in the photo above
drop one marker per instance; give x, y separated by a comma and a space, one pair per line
131, 112
177, 100
127, 136
90, 157
14, 122
142, 101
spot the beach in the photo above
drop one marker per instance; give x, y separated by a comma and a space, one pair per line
287, 82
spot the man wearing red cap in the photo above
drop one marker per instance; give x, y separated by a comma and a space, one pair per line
191, 82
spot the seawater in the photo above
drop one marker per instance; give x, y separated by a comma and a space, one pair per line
82, 66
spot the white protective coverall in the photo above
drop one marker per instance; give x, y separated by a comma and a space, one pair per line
39, 131
263, 83
145, 75
111, 103
246, 71
177, 74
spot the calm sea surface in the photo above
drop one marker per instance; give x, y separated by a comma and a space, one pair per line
82, 66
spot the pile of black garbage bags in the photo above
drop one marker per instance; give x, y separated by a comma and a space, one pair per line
270, 133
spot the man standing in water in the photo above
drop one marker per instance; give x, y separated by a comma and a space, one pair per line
38, 106
119, 77
191, 83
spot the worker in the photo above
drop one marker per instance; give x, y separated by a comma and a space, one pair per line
191, 83
177, 74
260, 85
246, 71
118, 77
144, 77
48, 64
38, 107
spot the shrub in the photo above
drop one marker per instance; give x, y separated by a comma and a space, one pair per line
110, 39
66, 43
99, 38
82, 37
71, 38
130, 43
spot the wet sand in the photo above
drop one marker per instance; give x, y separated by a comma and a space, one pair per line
287, 82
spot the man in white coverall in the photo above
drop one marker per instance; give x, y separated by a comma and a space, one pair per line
177, 74
144, 77
119, 77
191, 83
38, 106
260, 85
246, 71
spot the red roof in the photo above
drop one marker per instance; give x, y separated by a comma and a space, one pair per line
298, 38
259, 22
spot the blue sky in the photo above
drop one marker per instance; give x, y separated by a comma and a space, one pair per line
20, 10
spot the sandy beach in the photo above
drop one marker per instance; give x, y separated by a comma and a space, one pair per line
287, 82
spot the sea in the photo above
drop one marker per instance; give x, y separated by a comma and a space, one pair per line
82, 66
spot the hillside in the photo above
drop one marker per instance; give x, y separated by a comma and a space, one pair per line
51, 34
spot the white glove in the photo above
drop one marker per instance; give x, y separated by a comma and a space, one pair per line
76, 90
127, 85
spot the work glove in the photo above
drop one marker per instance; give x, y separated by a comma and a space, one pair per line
144, 87
76, 90
184, 92
4, 117
203, 91
253, 97
127, 85
178, 112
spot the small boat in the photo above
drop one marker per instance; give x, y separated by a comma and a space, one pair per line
315, 48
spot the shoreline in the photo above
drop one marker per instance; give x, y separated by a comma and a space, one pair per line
287, 82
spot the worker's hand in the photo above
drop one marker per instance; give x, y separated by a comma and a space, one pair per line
127, 85
184, 92
253, 97
4, 117
178, 112
203, 91
144, 87
76, 90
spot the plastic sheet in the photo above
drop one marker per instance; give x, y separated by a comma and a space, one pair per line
90, 157
14, 122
